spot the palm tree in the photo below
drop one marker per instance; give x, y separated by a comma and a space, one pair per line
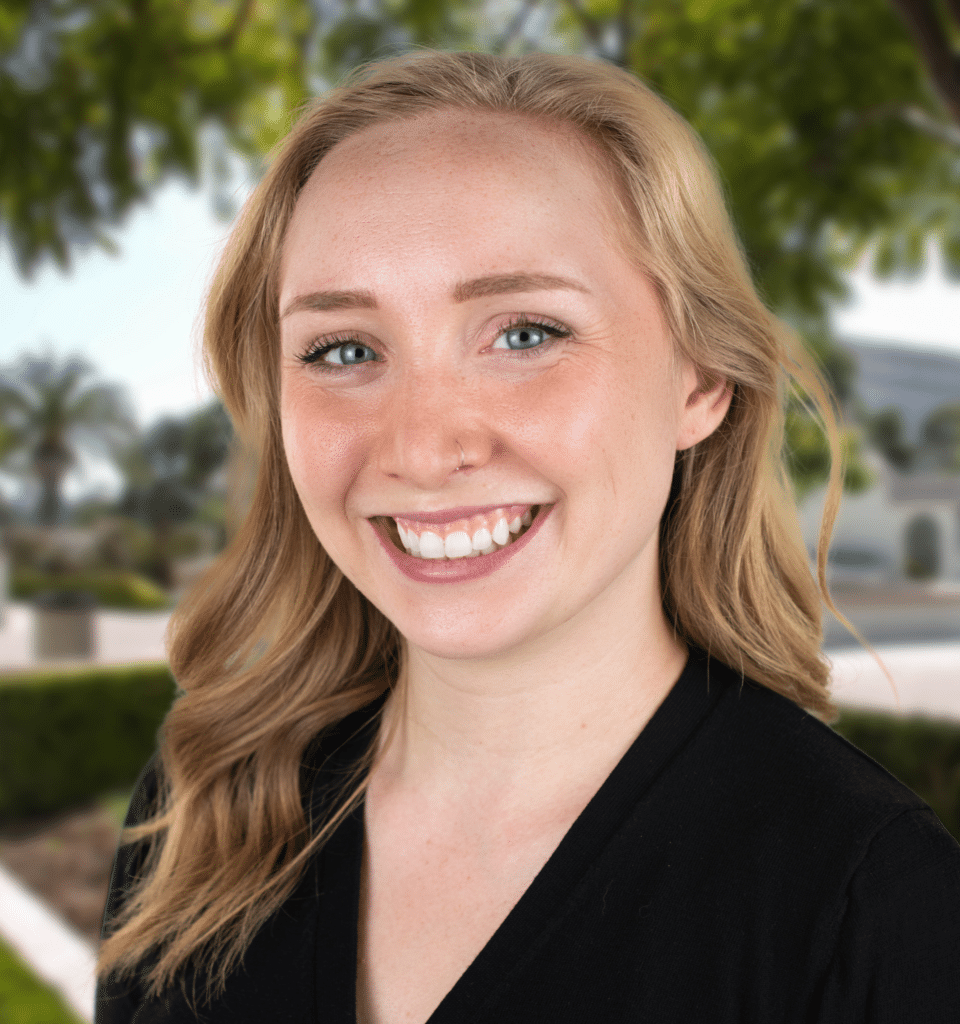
51, 411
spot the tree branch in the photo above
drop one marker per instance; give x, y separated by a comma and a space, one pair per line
915, 117
941, 62
922, 121
240, 20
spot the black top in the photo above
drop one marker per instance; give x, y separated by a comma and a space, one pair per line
741, 863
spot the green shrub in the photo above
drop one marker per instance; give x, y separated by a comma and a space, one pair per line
68, 736
923, 753
117, 589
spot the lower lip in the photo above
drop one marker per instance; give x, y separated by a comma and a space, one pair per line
458, 570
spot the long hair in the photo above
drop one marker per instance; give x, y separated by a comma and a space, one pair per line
274, 645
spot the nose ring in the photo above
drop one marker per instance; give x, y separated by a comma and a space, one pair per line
462, 458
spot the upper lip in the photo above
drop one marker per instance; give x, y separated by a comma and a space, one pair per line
449, 515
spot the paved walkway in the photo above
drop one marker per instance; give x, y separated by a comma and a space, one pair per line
927, 680
119, 637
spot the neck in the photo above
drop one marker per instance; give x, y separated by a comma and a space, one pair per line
528, 728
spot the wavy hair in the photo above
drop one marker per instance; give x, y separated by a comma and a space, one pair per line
276, 634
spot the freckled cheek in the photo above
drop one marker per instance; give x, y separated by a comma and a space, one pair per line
322, 453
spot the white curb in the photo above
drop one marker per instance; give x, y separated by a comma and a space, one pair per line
52, 949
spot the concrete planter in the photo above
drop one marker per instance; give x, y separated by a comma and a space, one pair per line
63, 626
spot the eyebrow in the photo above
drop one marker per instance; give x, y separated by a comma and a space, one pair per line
478, 288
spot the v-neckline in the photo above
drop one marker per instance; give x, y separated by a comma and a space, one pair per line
541, 906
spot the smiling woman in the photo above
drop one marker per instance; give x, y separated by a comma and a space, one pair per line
497, 706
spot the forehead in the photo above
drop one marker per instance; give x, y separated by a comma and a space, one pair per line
483, 188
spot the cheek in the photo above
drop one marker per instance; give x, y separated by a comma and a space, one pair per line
610, 413
319, 447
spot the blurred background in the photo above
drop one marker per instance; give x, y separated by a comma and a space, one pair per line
132, 131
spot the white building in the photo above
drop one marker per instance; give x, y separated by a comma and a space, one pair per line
903, 526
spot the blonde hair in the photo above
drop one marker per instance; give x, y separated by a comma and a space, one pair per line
277, 635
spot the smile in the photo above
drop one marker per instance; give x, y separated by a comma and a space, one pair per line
471, 537
497, 521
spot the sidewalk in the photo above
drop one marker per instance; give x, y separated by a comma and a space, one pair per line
927, 679
119, 637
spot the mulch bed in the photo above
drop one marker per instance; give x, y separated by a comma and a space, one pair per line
66, 860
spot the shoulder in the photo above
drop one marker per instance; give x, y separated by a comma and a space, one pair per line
800, 799
897, 942
792, 758
824, 850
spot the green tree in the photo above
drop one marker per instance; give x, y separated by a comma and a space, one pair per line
51, 411
887, 433
169, 472
101, 100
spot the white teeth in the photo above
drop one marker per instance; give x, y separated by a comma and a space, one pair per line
457, 545
460, 544
501, 532
412, 542
481, 539
431, 545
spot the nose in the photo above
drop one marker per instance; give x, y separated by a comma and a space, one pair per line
432, 427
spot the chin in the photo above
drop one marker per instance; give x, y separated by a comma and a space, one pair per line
463, 643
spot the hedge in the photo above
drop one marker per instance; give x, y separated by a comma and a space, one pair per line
68, 736
121, 590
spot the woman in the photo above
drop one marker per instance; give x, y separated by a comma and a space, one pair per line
450, 746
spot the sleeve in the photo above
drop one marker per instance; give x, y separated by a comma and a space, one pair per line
897, 959
116, 1002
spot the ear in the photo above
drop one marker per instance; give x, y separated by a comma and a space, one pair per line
707, 402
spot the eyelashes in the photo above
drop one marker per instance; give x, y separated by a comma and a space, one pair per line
353, 347
318, 349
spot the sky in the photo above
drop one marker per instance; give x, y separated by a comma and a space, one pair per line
135, 316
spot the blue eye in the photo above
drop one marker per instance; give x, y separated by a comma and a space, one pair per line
524, 335
348, 353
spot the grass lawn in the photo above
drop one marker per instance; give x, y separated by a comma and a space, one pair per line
26, 1000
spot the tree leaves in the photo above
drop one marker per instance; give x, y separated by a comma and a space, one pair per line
101, 100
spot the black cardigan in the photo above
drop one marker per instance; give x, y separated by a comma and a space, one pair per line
741, 863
